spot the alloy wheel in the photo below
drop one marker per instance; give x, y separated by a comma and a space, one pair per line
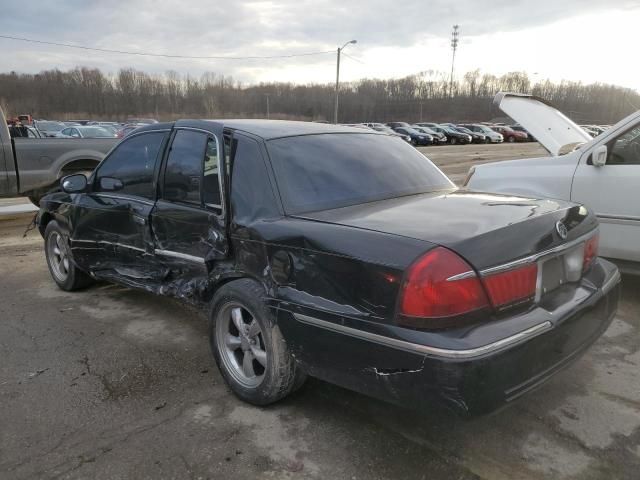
240, 342
58, 250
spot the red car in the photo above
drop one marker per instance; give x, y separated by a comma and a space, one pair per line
511, 135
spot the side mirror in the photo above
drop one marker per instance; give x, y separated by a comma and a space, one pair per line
76, 183
599, 156
110, 184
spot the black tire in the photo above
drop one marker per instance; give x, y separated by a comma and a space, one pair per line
487, 140
35, 199
511, 139
72, 278
453, 140
281, 375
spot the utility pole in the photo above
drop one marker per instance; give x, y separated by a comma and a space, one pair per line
267, 95
335, 106
454, 47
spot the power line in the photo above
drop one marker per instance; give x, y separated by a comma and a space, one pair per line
352, 58
146, 54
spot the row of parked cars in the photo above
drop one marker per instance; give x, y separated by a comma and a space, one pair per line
429, 133
81, 128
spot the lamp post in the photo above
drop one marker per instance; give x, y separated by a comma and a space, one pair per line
335, 107
454, 46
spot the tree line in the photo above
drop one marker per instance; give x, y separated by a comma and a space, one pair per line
427, 96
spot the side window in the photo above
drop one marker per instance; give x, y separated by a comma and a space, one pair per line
75, 133
66, 131
251, 193
625, 150
212, 195
133, 163
185, 164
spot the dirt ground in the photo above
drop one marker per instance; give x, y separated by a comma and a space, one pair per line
115, 383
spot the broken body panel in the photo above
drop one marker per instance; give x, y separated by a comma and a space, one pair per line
333, 276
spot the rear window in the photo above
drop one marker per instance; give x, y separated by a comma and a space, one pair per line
317, 172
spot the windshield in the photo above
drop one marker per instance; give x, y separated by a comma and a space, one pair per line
317, 172
428, 130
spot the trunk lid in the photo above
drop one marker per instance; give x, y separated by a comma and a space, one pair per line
549, 126
486, 229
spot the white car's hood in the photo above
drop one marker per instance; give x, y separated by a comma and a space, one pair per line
549, 126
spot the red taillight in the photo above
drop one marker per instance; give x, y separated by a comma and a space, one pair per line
512, 286
431, 290
590, 251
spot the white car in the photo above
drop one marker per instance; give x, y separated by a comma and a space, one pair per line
602, 173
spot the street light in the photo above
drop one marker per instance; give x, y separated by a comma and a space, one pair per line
335, 108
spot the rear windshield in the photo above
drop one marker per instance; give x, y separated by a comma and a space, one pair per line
317, 172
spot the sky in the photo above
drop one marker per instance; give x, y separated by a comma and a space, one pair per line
578, 40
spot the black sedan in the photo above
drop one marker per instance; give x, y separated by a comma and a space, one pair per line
453, 136
417, 138
338, 253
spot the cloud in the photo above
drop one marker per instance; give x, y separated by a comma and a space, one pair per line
242, 28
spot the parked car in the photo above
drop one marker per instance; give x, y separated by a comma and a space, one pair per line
30, 167
427, 124
453, 136
438, 137
381, 127
49, 128
395, 125
339, 253
602, 172
82, 131
492, 135
509, 134
520, 128
80, 122
476, 137
417, 138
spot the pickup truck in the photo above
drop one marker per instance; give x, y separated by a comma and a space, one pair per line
602, 173
30, 167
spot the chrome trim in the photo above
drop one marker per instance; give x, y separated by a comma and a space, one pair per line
182, 256
537, 256
105, 242
618, 219
120, 197
461, 276
425, 349
611, 282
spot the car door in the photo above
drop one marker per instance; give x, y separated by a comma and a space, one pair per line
613, 192
112, 232
188, 219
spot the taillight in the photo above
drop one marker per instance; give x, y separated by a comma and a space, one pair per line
512, 287
440, 284
590, 251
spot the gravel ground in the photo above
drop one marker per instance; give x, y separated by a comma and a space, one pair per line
115, 383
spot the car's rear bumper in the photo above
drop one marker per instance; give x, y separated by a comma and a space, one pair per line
489, 373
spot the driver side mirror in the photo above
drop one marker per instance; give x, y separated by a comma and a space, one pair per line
599, 156
110, 184
76, 183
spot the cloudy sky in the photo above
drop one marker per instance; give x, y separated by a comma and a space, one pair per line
587, 40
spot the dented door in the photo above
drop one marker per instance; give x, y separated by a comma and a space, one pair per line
188, 220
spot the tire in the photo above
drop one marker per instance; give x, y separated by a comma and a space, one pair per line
453, 140
511, 139
256, 365
487, 140
60, 260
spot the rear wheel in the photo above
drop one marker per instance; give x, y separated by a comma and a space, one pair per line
251, 353
60, 260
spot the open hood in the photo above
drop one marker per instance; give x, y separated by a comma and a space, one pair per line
549, 126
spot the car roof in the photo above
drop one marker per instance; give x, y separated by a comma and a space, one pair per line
266, 129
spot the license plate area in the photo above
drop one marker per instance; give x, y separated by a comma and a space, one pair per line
559, 269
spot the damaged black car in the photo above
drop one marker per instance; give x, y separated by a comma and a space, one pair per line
338, 253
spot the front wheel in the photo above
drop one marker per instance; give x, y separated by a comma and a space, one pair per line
60, 260
511, 139
249, 349
454, 141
